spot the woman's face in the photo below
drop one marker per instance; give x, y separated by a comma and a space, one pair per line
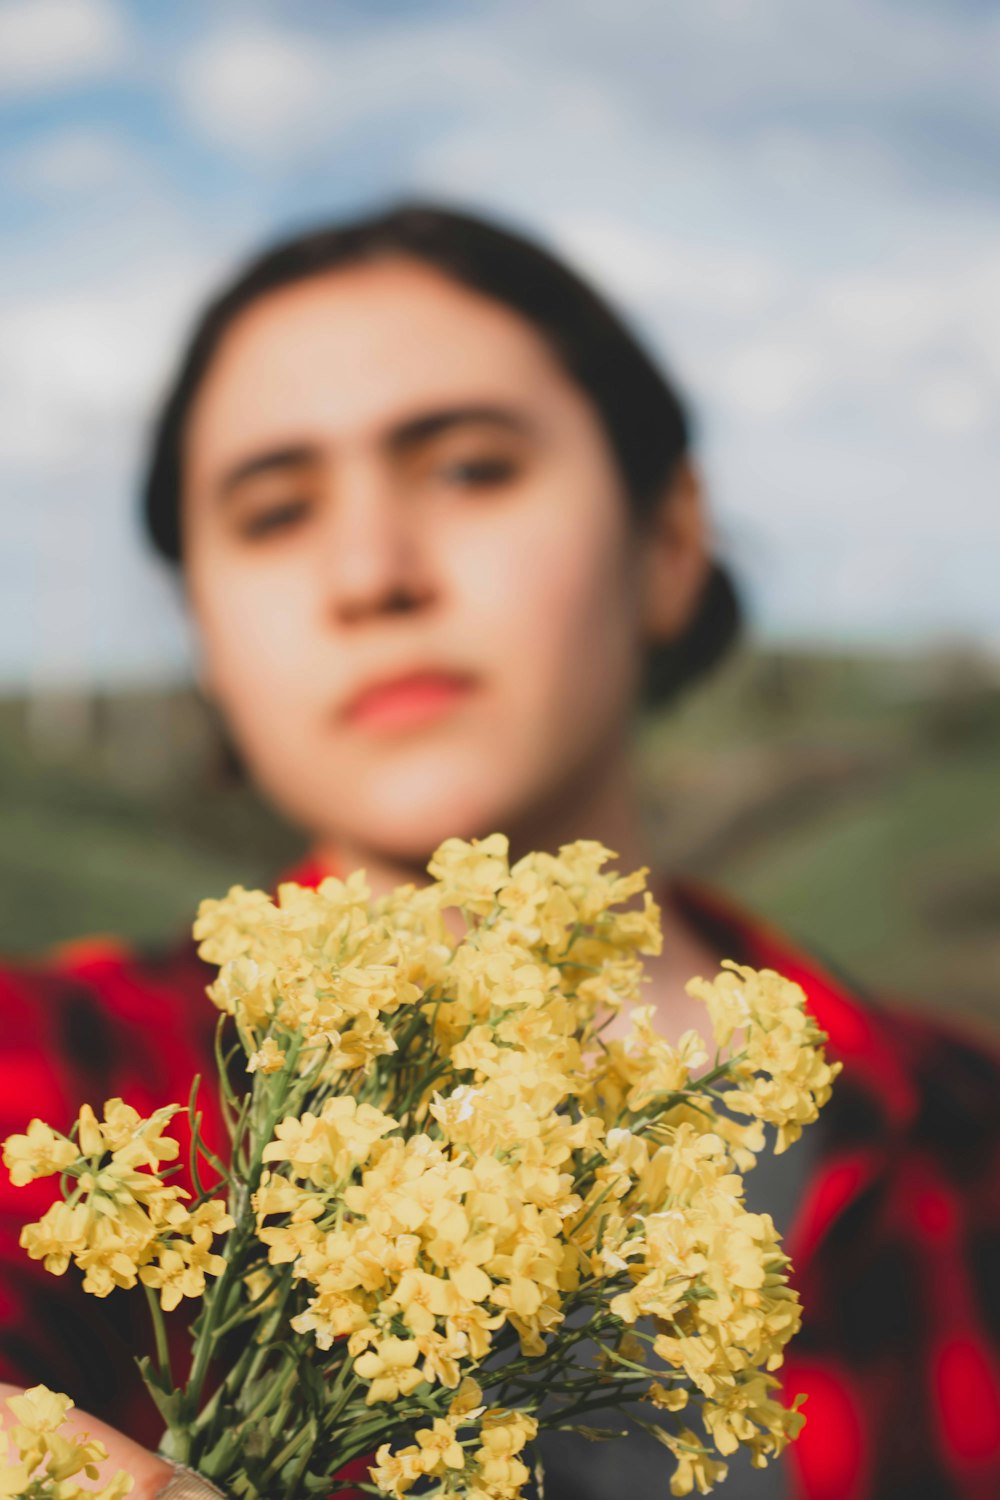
410, 559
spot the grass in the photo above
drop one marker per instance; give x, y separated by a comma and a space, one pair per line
859, 811
852, 801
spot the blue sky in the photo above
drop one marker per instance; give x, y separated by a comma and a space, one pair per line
797, 203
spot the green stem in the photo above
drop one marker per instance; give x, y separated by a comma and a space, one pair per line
275, 1389
160, 1333
288, 1451
661, 1103
218, 1302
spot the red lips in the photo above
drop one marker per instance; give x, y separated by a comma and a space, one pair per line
409, 701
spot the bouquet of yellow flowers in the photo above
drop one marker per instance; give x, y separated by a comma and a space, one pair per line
453, 1212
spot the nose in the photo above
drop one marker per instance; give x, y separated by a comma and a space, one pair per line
374, 553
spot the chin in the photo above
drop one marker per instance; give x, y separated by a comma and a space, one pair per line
405, 818
413, 835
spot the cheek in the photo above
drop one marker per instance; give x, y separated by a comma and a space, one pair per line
553, 592
255, 641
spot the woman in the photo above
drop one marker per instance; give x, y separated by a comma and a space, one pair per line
439, 531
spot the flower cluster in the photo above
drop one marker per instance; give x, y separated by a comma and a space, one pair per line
315, 966
121, 1221
40, 1461
457, 1212
781, 1077
485, 1466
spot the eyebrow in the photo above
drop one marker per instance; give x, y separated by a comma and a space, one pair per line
272, 460
419, 429
401, 438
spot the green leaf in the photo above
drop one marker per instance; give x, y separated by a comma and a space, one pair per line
169, 1403
312, 1386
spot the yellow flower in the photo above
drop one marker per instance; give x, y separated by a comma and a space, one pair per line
225, 929
113, 1254
15, 1472
541, 911
667, 1398
467, 1400
40, 1152
391, 1369
186, 1258
36, 1457
696, 1468
505, 1432
785, 1076
470, 874
396, 1473
439, 1445
134, 1141
748, 1414
325, 1148
503, 1435
477, 1052
89, 1133
245, 988
59, 1234
461, 1163
268, 1058
421, 1299
40, 1410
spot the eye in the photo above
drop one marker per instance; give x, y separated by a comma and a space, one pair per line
275, 518
486, 472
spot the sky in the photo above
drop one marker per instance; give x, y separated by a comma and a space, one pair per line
797, 205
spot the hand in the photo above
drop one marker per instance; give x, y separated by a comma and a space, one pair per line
150, 1473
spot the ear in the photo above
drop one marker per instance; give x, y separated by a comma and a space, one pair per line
676, 558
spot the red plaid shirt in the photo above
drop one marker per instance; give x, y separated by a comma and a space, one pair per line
896, 1243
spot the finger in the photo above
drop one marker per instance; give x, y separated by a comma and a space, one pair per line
149, 1472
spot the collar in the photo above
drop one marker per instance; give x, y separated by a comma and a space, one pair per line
859, 1035
309, 872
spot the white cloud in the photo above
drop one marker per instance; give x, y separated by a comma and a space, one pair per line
651, 265
79, 373
784, 198
47, 44
771, 377
74, 161
79, 369
953, 402
271, 93
253, 88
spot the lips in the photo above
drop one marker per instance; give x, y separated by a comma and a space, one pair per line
408, 701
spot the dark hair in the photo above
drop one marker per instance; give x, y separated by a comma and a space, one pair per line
643, 416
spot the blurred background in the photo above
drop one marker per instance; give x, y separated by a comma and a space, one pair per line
797, 205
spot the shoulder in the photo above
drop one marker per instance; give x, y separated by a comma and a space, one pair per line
101, 976
90, 1022
96, 1019
906, 1075
956, 1080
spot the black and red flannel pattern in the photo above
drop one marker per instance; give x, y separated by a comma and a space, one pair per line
896, 1243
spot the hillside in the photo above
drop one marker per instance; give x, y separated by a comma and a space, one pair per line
854, 801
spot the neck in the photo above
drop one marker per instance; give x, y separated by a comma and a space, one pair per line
603, 806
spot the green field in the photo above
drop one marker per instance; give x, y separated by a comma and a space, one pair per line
854, 801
